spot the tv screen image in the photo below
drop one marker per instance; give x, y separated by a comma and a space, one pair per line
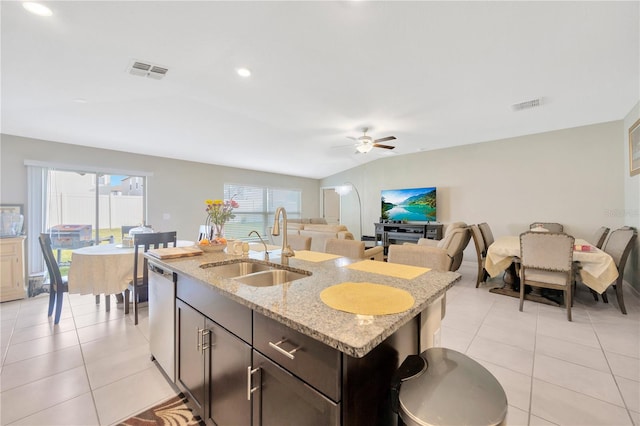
411, 204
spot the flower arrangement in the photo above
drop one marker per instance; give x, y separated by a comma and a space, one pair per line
218, 213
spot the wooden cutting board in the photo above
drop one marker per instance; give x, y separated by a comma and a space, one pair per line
174, 252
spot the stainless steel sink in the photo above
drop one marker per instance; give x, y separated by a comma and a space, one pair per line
272, 277
256, 273
232, 270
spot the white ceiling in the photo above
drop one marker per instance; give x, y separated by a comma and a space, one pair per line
433, 74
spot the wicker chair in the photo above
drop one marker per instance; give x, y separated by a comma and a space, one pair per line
481, 251
549, 226
487, 236
618, 246
599, 236
353, 249
546, 260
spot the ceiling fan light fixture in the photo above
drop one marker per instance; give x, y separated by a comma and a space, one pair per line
364, 148
37, 8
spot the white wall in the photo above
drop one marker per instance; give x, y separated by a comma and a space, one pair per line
631, 212
177, 188
571, 176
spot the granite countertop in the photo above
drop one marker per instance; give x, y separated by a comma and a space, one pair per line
297, 304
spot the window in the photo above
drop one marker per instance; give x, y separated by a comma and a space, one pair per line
257, 206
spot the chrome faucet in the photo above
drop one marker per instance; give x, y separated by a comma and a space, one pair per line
286, 250
266, 253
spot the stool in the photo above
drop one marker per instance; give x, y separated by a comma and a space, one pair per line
445, 387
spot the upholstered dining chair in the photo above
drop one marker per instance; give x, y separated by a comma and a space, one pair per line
481, 251
487, 236
549, 226
618, 246
298, 242
598, 237
352, 248
138, 283
58, 284
455, 240
423, 256
546, 260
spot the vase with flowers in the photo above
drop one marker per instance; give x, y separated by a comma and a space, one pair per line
219, 212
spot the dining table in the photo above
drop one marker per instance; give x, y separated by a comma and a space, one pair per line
105, 268
597, 269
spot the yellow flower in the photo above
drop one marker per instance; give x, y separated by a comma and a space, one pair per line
218, 202
208, 202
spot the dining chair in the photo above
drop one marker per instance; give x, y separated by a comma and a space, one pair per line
546, 260
58, 284
599, 236
422, 256
352, 248
138, 283
478, 241
487, 236
299, 242
618, 246
549, 226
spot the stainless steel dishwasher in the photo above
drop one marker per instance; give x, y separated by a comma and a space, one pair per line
162, 313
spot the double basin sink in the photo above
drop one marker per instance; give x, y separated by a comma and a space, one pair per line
256, 273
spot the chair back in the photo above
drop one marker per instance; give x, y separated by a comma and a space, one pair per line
346, 248
147, 241
478, 241
415, 255
57, 284
547, 251
549, 226
487, 235
599, 236
298, 242
619, 245
50, 260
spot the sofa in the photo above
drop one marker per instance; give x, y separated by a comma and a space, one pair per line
319, 233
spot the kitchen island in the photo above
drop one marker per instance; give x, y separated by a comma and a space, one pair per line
278, 354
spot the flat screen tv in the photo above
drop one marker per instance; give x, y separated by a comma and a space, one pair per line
410, 205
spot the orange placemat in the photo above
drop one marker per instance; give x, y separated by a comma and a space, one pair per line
314, 256
367, 298
397, 270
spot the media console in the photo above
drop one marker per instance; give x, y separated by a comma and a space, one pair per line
398, 233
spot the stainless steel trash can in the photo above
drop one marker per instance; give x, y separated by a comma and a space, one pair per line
445, 387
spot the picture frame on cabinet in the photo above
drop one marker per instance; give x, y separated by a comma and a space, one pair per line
634, 148
11, 208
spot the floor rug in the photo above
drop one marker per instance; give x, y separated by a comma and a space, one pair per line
173, 412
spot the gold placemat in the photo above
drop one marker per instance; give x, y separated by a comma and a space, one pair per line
314, 256
367, 298
397, 270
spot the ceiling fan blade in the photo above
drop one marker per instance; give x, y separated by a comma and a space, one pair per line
388, 138
352, 138
378, 145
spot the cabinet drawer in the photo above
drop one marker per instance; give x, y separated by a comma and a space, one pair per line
207, 299
314, 362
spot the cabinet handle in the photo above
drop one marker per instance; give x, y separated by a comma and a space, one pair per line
251, 390
206, 332
198, 340
288, 354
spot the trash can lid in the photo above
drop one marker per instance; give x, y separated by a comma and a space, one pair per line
453, 390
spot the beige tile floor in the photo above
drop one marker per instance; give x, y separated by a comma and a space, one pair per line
94, 367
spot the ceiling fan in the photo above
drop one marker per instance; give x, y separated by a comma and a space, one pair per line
366, 143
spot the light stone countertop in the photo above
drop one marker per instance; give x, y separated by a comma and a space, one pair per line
297, 304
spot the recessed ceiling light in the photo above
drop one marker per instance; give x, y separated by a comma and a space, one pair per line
37, 8
243, 72
80, 100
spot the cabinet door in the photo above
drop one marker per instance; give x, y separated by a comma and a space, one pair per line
230, 358
190, 365
11, 269
282, 399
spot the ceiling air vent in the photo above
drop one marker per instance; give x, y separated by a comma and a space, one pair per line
144, 69
533, 103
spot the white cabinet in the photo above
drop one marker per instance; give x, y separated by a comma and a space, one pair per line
12, 269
